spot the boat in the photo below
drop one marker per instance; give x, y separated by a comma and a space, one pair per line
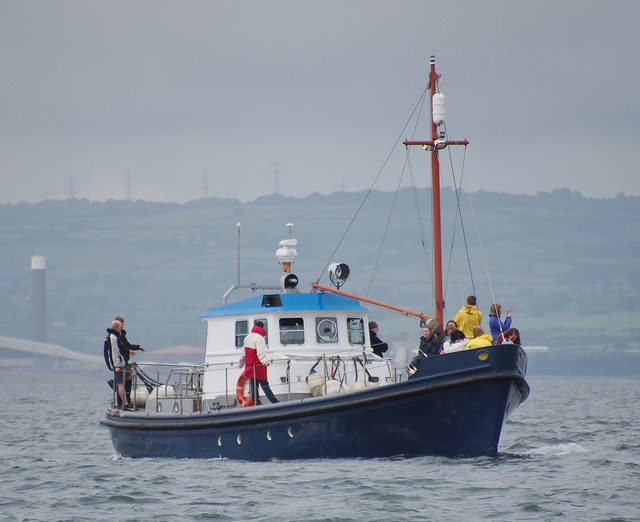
336, 398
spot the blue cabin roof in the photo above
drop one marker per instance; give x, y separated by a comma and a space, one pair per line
285, 303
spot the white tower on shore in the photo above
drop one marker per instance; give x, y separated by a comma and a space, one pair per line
38, 299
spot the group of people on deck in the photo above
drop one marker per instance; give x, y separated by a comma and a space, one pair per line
464, 332
117, 352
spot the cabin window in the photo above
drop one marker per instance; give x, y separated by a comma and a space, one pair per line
242, 330
269, 301
291, 330
326, 330
355, 330
264, 326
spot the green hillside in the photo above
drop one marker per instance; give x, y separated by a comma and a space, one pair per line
566, 265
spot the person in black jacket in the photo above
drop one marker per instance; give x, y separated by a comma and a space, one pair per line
127, 349
377, 345
430, 344
114, 356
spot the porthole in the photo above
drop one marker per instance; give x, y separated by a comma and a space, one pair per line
158, 407
176, 408
239, 439
220, 441
290, 432
483, 355
269, 438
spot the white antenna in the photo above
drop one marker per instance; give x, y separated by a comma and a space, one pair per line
252, 286
238, 225
286, 254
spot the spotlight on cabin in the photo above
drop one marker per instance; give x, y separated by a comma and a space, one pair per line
338, 274
289, 282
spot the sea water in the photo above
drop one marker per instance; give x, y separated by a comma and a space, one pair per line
570, 452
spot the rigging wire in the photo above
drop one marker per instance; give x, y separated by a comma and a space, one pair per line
452, 254
484, 259
368, 193
456, 188
458, 214
416, 201
384, 235
421, 229
407, 164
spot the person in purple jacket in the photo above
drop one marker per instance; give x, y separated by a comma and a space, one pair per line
495, 324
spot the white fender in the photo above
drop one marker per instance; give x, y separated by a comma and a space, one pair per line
358, 385
141, 395
315, 383
332, 387
163, 392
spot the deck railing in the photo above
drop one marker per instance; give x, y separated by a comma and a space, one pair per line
179, 383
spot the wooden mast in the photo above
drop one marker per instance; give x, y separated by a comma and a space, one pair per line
436, 143
435, 203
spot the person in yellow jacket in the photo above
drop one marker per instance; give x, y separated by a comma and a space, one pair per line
480, 339
468, 317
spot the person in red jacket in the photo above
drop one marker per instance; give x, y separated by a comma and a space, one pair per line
256, 362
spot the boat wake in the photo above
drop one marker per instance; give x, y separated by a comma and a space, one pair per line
558, 449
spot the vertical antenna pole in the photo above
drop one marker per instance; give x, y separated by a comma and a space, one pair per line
238, 225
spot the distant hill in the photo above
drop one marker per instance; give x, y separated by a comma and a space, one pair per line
566, 265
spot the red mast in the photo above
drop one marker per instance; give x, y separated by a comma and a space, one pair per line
437, 143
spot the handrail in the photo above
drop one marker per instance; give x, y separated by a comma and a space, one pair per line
187, 379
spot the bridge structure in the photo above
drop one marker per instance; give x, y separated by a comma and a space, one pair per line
15, 352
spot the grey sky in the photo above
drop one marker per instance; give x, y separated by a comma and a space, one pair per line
546, 91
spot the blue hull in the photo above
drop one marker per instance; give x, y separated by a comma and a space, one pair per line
455, 405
